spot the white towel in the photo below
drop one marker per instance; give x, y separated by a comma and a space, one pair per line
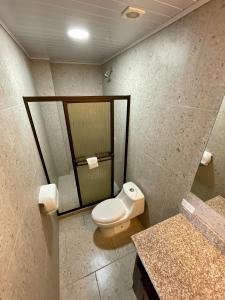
92, 162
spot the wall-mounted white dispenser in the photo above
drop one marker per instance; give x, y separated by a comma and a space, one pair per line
206, 158
49, 198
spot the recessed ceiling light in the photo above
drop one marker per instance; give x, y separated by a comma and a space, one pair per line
78, 34
132, 13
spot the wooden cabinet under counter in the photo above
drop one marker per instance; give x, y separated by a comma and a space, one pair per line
142, 285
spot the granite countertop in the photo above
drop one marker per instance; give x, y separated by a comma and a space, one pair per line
218, 204
180, 261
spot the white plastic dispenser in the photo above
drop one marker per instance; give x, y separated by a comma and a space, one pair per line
206, 158
49, 198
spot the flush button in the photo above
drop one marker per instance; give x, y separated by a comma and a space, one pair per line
131, 190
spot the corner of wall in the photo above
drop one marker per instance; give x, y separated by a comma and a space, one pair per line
42, 75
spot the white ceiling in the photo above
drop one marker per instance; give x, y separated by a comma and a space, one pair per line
40, 26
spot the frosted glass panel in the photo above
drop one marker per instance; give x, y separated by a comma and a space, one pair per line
95, 184
120, 118
90, 128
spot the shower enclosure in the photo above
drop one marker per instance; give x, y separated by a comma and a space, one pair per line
67, 131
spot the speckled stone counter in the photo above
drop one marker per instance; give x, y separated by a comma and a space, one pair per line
180, 261
218, 204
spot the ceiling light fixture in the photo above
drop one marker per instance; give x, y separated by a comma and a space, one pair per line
78, 34
132, 13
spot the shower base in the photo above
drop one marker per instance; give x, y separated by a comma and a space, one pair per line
67, 192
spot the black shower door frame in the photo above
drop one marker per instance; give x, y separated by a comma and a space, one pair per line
65, 100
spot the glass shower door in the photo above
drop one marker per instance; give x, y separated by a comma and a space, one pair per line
91, 132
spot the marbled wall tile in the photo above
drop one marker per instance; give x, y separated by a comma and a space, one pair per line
13, 155
13, 75
76, 80
42, 77
9, 229
173, 104
149, 179
25, 259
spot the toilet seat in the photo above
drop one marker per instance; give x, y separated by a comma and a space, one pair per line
108, 211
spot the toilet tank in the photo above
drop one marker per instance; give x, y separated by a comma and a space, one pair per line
133, 198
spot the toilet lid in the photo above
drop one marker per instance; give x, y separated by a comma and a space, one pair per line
108, 211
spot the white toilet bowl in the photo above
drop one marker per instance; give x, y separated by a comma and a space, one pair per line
113, 215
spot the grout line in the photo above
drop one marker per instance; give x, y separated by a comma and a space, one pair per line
117, 258
98, 287
110, 263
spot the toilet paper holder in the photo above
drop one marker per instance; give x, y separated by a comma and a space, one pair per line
48, 198
206, 158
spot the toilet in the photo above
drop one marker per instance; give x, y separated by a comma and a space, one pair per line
113, 215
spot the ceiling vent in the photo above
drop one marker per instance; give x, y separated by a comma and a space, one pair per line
132, 13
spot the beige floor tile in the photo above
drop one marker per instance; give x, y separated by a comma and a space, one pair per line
84, 289
82, 251
115, 280
129, 295
71, 223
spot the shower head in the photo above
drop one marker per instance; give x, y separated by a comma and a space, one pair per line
107, 75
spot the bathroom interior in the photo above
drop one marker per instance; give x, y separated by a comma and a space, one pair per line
112, 161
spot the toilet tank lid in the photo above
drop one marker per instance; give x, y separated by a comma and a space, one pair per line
132, 191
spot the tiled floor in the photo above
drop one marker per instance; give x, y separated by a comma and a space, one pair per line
93, 267
67, 192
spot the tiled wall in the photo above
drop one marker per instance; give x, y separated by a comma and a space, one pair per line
176, 79
42, 75
28, 240
77, 80
210, 181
